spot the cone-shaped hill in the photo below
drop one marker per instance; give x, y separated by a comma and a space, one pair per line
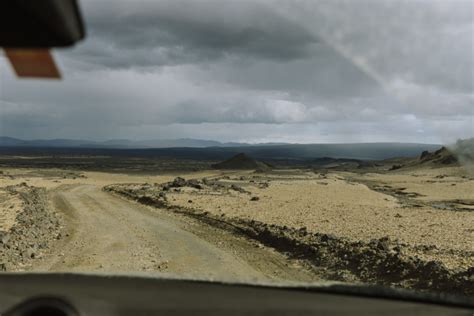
242, 162
442, 156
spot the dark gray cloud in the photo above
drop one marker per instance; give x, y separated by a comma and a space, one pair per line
155, 33
309, 71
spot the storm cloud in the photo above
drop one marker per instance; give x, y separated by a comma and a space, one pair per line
150, 33
296, 71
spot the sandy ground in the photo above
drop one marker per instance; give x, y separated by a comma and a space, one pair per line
11, 205
432, 184
339, 203
333, 204
105, 233
52, 178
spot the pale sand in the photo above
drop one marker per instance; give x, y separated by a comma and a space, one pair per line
425, 182
11, 205
338, 207
346, 209
33, 177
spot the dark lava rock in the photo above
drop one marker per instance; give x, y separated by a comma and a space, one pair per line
384, 244
30, 253
263, 185
448, 160
194, 184
238, 188
178, 183
441, 156
425, 154
395, 167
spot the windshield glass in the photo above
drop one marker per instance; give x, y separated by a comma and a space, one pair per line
250, 141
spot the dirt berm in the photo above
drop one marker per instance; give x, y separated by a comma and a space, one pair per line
35, 230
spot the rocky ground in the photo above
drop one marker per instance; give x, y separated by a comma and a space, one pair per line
33, 228
99, 232
410, 227
346, 229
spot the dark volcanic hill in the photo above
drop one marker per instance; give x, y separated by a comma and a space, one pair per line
441, 156
242, 162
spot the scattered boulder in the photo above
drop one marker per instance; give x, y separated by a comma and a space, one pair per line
194, 184
30, 253
178, 182
263, 185
395, 167
238, 188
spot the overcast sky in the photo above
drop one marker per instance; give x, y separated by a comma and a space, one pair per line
256, 71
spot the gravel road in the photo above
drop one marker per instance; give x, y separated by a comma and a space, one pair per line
109, 234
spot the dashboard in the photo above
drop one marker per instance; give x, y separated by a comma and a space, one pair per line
88, 294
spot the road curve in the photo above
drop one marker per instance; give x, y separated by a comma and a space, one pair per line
109, 234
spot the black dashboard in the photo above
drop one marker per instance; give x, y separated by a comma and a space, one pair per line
86, 294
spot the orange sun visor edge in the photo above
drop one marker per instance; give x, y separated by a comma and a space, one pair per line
33, 63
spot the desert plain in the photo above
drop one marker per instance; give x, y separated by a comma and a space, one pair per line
397, 223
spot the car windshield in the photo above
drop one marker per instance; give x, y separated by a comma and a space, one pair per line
281, 142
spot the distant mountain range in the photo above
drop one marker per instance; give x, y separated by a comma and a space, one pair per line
187, 148
118, 143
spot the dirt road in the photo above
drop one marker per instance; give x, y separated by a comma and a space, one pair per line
109, 234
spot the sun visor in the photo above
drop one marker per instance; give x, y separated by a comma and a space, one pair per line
40, 23
34, 63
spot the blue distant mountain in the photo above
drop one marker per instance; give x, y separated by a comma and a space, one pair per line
122, 143
209, 149
113, 143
